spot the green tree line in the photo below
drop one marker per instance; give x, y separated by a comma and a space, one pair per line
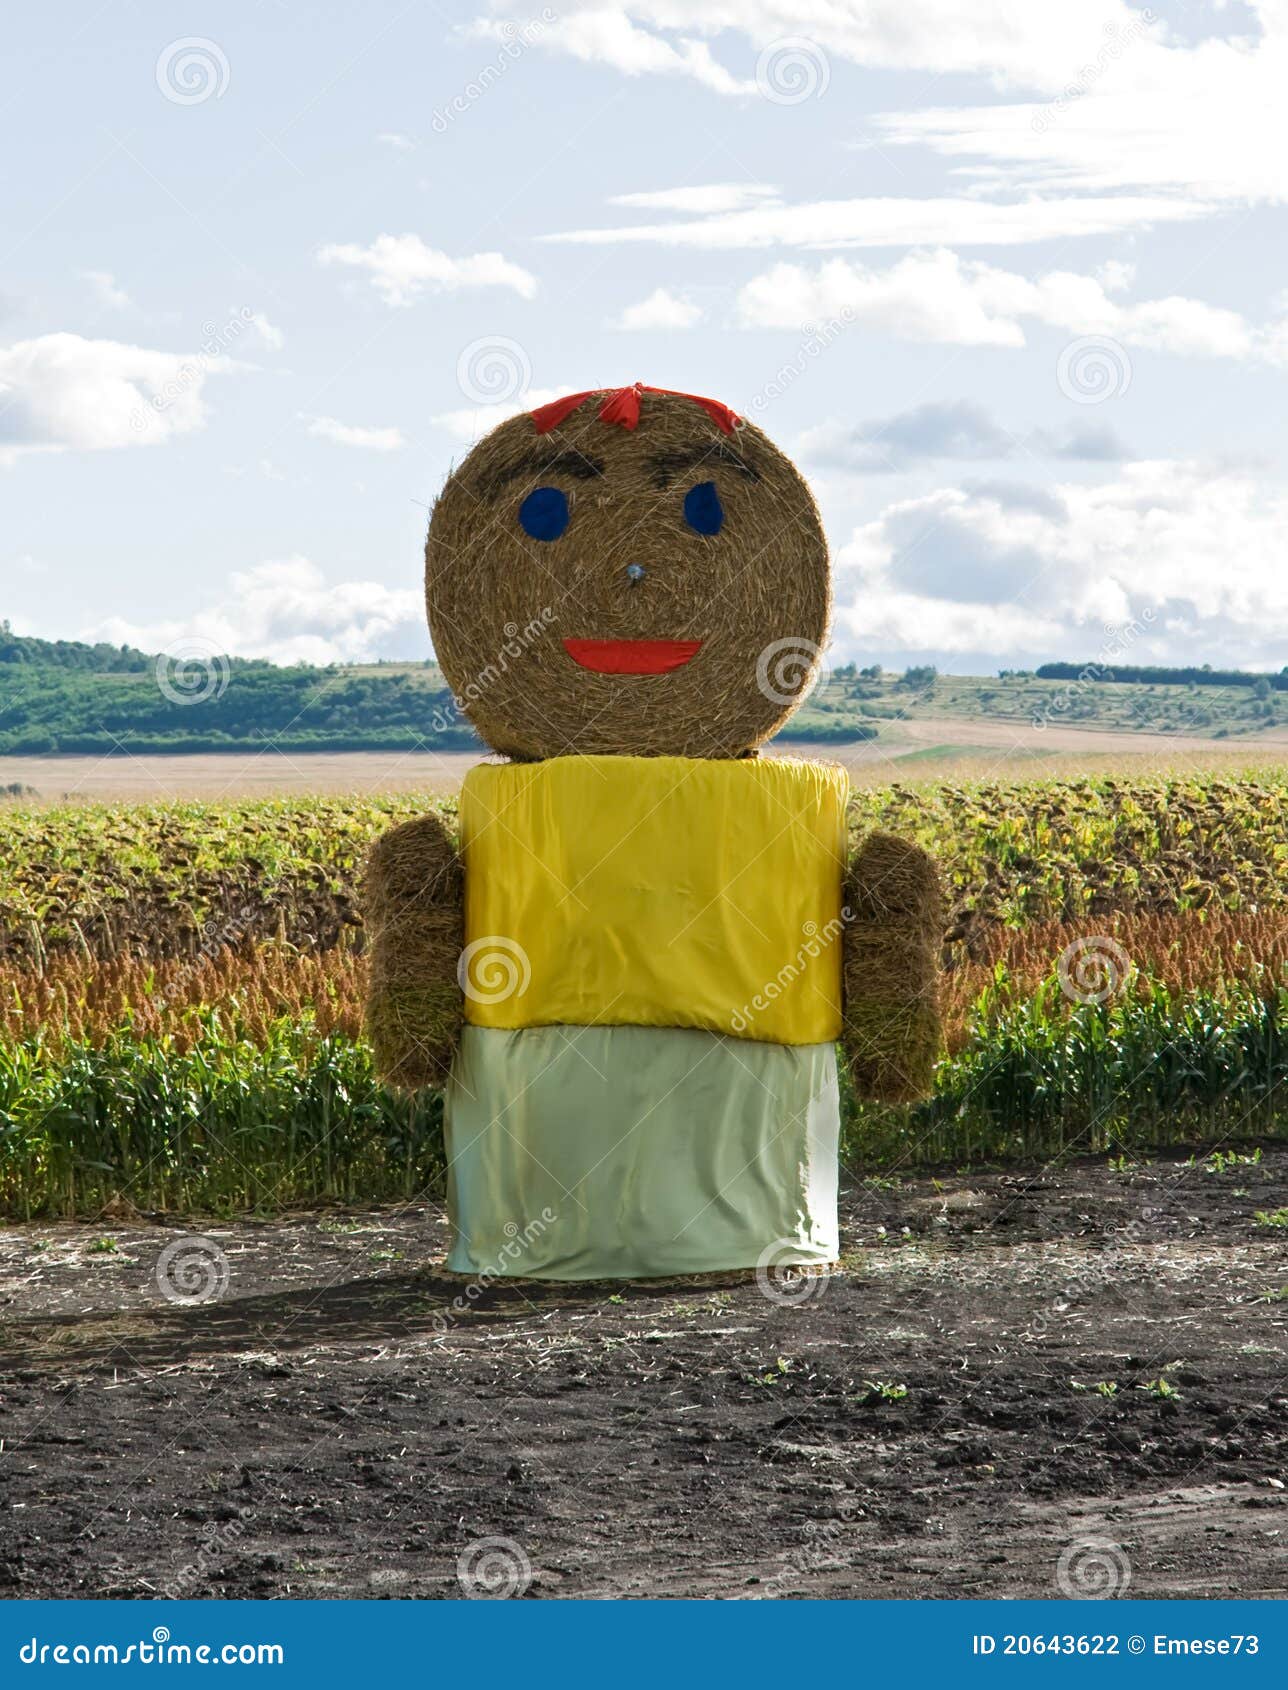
224, 706
1204, 676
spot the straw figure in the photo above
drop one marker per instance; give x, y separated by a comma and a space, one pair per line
632, 969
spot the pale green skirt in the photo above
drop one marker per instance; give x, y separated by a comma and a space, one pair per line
635, 1152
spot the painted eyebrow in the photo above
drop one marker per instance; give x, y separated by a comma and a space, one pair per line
665, 466
561, 461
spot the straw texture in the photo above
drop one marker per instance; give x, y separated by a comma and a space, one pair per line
501, 603
892, 1032
413, 907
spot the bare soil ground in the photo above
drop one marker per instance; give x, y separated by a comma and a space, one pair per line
211, 777
926, 1421
928, 748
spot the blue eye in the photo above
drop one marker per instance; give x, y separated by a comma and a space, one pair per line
702, 508
544, 513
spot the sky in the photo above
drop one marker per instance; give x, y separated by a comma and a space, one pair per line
1006, 278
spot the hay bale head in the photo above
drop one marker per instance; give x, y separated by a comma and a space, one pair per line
629, 572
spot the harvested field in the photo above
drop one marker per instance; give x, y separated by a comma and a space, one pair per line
1042, 1357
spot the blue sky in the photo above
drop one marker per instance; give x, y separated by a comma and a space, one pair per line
1007, 279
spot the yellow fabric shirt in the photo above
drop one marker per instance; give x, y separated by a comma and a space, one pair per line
655, 891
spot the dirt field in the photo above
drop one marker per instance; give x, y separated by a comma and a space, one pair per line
926, 749
926, 1421
266, 774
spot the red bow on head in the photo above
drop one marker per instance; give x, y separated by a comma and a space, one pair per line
622, 406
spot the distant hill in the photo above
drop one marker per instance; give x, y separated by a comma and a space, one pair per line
63, 696
1205, 704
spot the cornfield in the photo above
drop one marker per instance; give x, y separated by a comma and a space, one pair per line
181, 988
231, 1123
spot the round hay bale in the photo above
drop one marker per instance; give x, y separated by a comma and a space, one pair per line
628, 572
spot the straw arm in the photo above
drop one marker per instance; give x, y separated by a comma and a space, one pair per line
894, 926
413, 908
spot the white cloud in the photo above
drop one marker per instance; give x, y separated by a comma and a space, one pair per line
1191, 553
925, 296
1080, 304
607, 35
899, 222
345, 434
937, 296
1034, 46
1107, 92
473, 423
269, 334
62, 392
700, 201
401, 266
1115, 275
661, 310
284, 610
105, 287
1128, 115
398, 143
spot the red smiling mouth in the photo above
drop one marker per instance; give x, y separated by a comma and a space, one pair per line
632, 657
